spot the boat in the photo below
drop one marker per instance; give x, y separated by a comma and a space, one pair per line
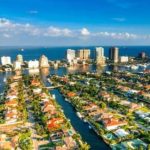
49, 80
66, 100
79, 115
134, 67
4, 80
1, 94
85, 120
22, 49
53, 96
90, 127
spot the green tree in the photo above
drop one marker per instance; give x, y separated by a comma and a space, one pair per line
25, 142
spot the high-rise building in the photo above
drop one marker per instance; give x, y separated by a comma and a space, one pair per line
17, 65
6, 60
114, 54
71, 55
100, 58
86, 54
83, 54
80, 54
142, 55
19, 58
124, 59
43, 62
33, 64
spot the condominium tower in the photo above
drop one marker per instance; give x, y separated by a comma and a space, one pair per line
114, 54
100, 58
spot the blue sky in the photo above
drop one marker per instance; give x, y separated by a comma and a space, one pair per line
74, 22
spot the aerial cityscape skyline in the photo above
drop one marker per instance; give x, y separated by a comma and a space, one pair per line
74, 75
55, 23
55, 104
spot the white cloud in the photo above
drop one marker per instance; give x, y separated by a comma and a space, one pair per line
85, 32
118, 36
16, 30
54, 31
4, 23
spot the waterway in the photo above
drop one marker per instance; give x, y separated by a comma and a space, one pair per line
88, 135
81, 127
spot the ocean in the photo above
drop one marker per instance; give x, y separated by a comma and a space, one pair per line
59, 53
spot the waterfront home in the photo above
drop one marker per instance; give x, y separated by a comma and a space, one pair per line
64, 79
123, 88
35, 82
96, 114
37, 90
13, 85
72, 83
7, 142
147, 71
11, 103
71, 94
44, 95
142, 114
130, 144
11, 96
146, 95
90, 107
4, 143
121, 133
56, 136
113, 123
64, 147
147, 87
105, 95
132, 91
12, 91
70, 143
48, 107
15, 78
54, 123
106, 115
11, 116
132, 106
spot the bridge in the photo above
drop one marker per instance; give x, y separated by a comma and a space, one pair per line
53, 87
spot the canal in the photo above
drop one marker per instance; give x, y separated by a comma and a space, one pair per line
88, 135
81, 127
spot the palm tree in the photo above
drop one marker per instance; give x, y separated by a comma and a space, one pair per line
85, 146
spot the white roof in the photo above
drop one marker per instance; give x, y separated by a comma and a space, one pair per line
121, 132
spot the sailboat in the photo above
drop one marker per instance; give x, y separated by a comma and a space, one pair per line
22, 49
4, 80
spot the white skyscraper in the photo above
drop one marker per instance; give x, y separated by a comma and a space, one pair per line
17, 65
71, 55
100, 51
43, 62
19, 58
33, 64
124, 59
100, 58
6, 60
